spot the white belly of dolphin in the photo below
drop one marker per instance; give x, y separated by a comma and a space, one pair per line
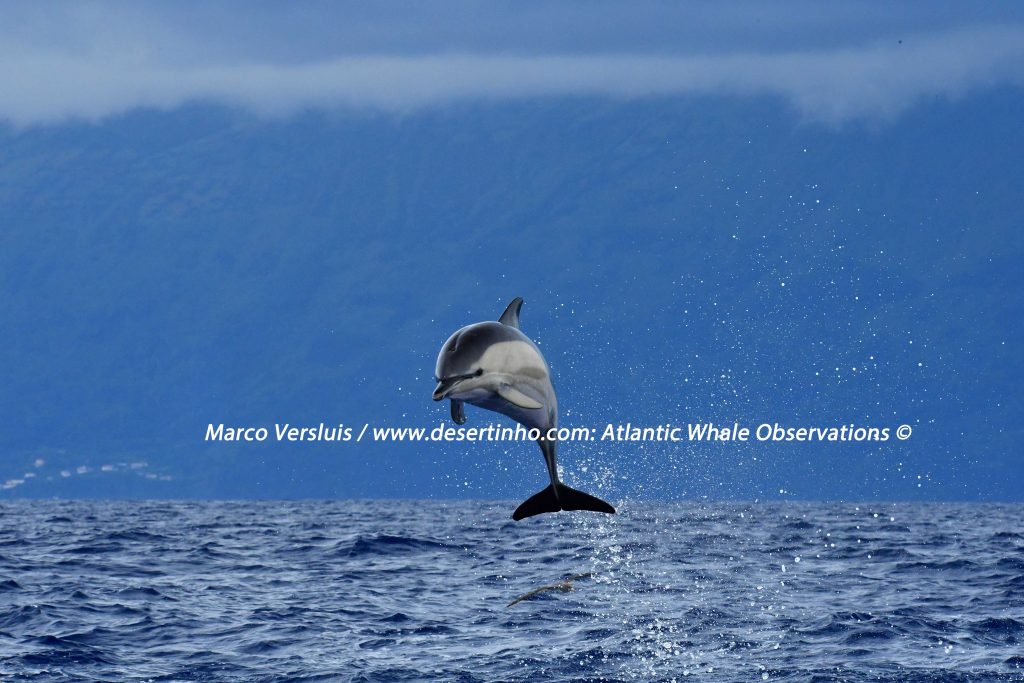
515, 358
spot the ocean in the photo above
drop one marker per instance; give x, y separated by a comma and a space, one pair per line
402, 590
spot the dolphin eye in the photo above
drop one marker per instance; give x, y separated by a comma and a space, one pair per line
479, 371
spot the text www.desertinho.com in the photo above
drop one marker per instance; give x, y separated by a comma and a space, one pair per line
697, 431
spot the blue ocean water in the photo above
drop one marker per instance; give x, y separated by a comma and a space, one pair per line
414, 590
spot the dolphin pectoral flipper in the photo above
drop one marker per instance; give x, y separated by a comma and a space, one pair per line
511, 315
567, 499
516, 397
458, 412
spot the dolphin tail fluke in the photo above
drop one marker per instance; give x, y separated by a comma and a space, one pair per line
545, 500
571, 499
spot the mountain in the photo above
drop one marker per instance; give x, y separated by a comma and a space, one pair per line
682, 260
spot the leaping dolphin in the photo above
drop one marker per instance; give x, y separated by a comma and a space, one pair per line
495, 366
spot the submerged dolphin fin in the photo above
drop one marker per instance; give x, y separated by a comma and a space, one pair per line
511, 315
458, 411
516, 397
545, 500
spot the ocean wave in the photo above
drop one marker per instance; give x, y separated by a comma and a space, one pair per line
366, 591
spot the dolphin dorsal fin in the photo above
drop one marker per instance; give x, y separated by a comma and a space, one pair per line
511, 315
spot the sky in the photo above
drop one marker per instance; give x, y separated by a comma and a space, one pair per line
832, 62
253, 213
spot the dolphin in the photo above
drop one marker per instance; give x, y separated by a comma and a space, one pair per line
495, 366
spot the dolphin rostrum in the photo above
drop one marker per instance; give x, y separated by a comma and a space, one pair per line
495, 366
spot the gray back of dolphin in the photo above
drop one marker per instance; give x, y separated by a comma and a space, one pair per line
494, 366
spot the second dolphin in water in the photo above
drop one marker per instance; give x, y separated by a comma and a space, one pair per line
495, 366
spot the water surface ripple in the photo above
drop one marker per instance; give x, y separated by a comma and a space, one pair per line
413, 590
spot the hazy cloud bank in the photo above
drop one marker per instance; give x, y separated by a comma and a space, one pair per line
873, 80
